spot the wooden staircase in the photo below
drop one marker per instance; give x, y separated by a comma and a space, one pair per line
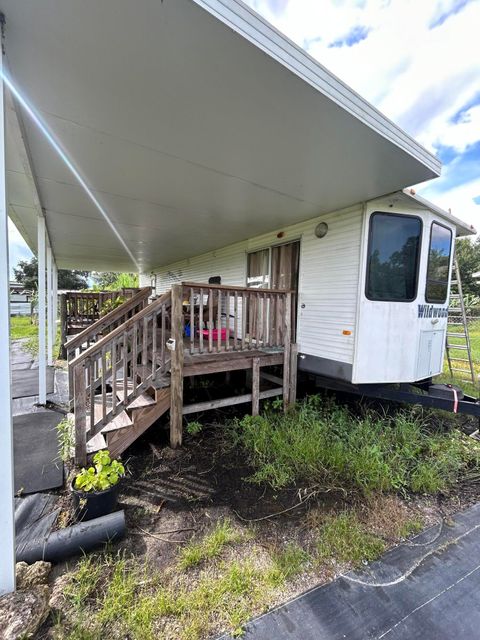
127, 369
121, 381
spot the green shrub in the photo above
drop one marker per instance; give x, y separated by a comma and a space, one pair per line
320, 444
103, 475
194, 428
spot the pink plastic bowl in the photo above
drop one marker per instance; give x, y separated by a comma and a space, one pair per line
214, 332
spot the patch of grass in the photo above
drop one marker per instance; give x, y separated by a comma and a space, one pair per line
210, 546
321, 444
410, 528
343, 538
22, 327
83, 582
132, 603
287, 563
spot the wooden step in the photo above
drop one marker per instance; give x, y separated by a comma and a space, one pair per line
96, 443
141, 401
118, 441
121, 421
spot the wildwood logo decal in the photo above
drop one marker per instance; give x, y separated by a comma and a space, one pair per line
429, 311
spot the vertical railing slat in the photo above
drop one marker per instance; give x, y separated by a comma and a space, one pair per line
80, 393
114, 376
210, 320
227, 320
200, 321
219, 321
104, 384
192, 322
235, 321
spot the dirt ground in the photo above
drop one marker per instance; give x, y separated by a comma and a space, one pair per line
173, 496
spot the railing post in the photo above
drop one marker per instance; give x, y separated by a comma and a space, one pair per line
80, 406
293, 373
287, 343
63, 325
176, 369
255, 386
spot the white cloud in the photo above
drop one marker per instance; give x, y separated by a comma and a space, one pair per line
419, 76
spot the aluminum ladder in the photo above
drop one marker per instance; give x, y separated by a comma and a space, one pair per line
459, 353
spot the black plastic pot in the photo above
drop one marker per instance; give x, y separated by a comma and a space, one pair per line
94, 504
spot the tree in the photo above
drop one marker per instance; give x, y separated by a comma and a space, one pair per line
26, 272
111, 281
468, 255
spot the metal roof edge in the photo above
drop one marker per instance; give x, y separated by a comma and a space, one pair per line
236, 15
466, 228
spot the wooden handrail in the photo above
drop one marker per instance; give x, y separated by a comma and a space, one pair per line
108, 319
128, 324
225, 287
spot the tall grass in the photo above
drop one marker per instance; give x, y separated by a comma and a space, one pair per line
320, 444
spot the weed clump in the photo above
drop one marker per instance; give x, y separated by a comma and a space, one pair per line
210, 546
343, 538
320, 444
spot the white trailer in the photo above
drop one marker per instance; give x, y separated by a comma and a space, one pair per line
372, 280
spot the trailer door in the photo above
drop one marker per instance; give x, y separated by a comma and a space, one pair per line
388, 331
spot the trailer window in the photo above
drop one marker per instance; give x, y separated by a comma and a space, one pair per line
393, 257
438, 264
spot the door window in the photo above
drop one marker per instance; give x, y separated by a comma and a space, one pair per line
393, 257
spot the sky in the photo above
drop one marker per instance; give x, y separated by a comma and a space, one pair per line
418, 61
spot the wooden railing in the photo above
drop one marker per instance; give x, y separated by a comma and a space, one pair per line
115, 370
193, 318
107, 323
80, 309
82, 341
220, 318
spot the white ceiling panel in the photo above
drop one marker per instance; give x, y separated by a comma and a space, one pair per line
188, 134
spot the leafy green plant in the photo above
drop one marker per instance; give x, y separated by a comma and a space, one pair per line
103, 475
194, 428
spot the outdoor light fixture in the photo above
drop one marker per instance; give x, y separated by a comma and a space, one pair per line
321, 229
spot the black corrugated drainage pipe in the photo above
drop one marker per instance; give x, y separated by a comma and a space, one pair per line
73, 540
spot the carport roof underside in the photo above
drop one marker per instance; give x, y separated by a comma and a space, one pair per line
194, 124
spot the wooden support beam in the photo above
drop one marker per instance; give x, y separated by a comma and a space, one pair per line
287, 338
200, 367
270, 377
293, 374
80, 394
63, 325
176, 369
255, 386
227, 402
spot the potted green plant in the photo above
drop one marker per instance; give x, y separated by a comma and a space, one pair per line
95, 489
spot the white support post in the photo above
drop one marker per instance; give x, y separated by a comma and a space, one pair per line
7, 522
42, 361
55, 301
49, 307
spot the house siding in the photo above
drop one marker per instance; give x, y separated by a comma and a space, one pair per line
328, 279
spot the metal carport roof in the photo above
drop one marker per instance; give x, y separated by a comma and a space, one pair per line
193, 122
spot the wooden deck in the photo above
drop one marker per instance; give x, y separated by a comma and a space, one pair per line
128, 369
